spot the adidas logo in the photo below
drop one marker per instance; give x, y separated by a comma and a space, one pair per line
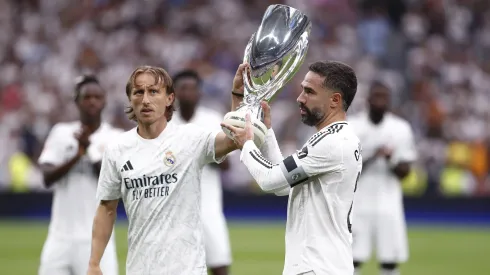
127, 166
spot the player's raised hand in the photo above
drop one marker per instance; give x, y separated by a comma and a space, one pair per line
238, 85
267, 114
241, 135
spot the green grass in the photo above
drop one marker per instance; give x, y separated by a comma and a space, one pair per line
259, 249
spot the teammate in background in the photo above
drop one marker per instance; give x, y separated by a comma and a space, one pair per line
70, 162
388, 142
216, 239
156, 169
320, 178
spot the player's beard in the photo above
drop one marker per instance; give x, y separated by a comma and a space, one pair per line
376, 114
187, 106
312, 117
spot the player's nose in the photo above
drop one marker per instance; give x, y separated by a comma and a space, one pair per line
301, 98
146, 99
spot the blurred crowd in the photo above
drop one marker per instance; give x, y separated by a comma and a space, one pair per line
433, 54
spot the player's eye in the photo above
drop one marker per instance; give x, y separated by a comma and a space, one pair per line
138, 92
310, 91
153, 91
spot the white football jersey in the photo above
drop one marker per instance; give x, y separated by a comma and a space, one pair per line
323, 176
210, 179
159, 182
74, 202
318, 234
379, 189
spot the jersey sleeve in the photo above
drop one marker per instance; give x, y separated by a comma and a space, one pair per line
109, 186
404, 149
314, 159
270, 149
205, 142
52, 152
321, 155
216, 120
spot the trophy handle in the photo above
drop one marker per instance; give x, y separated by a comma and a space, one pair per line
254, 107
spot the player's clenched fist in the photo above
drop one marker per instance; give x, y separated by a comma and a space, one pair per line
384, 152
83, 138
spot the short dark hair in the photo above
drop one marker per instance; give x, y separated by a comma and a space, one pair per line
82, 81
187, 74
338, 77
162, 78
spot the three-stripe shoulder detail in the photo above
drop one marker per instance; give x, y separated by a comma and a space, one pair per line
333, 129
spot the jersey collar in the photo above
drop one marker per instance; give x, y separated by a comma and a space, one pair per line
342, 122
168, 129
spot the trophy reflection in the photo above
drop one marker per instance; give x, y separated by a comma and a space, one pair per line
275, 53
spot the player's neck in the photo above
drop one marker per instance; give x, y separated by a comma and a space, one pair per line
187, 113
152, 131
93, 124
331, 118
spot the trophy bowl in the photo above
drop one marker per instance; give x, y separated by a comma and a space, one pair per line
275, 52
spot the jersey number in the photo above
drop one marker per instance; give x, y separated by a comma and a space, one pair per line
349, 225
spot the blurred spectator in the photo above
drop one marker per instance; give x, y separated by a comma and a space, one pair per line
434, 54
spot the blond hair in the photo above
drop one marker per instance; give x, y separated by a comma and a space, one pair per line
162, 78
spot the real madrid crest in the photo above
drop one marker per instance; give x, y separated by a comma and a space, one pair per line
169, 159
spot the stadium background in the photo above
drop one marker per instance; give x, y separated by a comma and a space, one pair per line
434, 54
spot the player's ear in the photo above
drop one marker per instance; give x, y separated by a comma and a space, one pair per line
171, 99
335, 100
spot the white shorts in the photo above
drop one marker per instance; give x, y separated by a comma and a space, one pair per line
216, 238
64, 257
386, 233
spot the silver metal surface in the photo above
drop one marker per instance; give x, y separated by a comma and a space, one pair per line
275, 53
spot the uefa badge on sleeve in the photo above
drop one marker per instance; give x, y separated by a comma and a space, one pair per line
169, 159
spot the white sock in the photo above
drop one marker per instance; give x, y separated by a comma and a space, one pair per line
390, 272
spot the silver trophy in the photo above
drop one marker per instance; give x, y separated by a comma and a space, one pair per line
275, 53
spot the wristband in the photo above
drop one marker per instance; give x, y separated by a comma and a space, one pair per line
236, 94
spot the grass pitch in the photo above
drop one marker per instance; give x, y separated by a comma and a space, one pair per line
258, 248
